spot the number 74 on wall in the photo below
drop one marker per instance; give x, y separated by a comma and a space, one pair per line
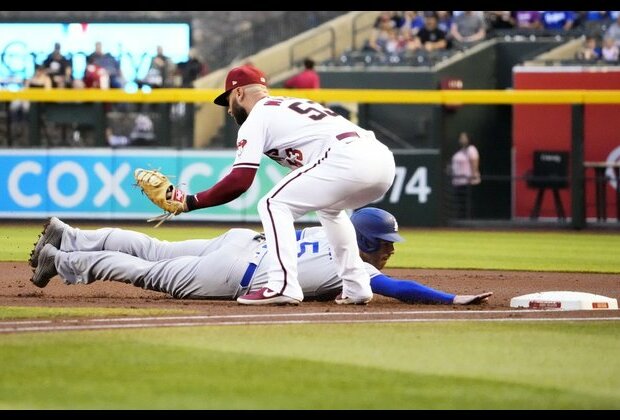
417, 185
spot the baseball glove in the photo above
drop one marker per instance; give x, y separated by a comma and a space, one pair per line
161, 192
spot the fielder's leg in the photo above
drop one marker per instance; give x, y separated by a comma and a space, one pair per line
347, 176
342, 239
278, 223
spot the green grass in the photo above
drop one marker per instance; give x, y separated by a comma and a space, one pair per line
424, 248
535, 251
467, 365
17, 312
16, 240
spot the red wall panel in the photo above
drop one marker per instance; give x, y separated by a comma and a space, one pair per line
548, 127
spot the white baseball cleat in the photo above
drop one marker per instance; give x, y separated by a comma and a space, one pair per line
52, 234
471, 299
340, 300
266, 296
46, 266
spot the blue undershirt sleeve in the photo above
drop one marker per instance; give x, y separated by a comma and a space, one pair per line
408, 290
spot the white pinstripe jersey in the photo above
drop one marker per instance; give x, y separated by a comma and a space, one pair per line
291, 131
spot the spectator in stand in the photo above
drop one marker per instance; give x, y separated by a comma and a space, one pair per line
465, 171
109, 63
39, 80
457, 13
610, 50
614, 31
528, 19
187, 72
502, 19
395, 18
409, 43
591, 21
589, 51
595, 15
307, 79
191, 69
160, 71
381, 33
95, 77
58, 68
414, 21
558, 19
444, 21
393, 44
431, 37
467, 28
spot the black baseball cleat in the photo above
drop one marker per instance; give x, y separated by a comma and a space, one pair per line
46, 266
51, 234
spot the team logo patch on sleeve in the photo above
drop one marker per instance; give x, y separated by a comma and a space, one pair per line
240, 145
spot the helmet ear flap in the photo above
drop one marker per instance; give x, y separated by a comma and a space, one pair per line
367, 244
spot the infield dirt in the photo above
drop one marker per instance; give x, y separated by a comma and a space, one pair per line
16, 290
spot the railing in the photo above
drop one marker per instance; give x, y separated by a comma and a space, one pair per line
355, 29
331, 44
266, 34
604, 172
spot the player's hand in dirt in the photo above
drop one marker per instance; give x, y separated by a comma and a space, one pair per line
471, 299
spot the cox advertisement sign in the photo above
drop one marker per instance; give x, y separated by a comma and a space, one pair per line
99, 184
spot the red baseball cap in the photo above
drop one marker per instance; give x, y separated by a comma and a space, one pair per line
240, 76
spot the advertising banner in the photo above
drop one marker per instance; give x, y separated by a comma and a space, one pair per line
99, 183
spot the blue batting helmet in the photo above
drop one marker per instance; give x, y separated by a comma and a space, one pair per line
372, 224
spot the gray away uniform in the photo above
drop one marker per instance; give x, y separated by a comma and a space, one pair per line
224, 267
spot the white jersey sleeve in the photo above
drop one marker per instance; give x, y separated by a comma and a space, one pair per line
250, 142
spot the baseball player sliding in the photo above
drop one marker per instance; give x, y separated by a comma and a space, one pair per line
336, 165
226, 267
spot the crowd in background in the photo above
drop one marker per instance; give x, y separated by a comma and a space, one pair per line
402, 32
103, 71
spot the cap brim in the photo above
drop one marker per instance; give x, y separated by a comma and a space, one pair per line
222, 100
391, 237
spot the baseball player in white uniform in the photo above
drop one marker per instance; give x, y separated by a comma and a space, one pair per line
226, 267
336, 165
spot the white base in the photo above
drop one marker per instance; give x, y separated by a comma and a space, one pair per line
562, 300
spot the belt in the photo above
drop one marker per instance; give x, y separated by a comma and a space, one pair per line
245, 281
254, 261
348, 134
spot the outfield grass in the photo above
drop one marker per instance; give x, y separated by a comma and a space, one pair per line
424, 248
532, 251
472, 365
